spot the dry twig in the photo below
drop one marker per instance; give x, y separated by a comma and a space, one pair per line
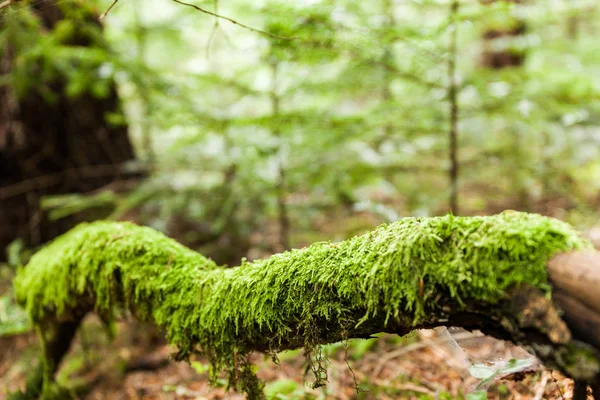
541, 387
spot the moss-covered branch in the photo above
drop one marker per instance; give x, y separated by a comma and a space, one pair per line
479, 272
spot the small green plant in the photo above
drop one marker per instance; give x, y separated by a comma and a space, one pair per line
487, 373
200, 367
13, 320
284, 389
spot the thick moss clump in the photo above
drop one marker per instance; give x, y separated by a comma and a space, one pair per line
298, 298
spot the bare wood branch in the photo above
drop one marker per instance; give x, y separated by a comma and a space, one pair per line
6, 4
576, 278
578, 274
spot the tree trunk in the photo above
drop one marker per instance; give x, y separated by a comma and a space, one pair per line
281, 190
576, 277
51, 141
500, 50
453, 111
497, 41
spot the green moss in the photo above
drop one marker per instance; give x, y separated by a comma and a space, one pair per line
298, 297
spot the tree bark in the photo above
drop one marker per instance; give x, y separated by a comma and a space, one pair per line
57, 143
576, 279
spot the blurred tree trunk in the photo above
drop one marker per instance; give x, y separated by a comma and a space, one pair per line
282, 209
498, 41
453, 111
57, 143
501, 50
573, 27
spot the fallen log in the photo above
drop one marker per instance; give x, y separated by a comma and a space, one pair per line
576, 280
493, 273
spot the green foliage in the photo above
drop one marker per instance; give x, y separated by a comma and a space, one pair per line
73, 51
311, 29
358, 348
61, 206
487, 373
396, 271
363, 107
284, 389
361, 125
12, 318
477, 395
199, 367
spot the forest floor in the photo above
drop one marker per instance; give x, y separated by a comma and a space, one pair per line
136, 365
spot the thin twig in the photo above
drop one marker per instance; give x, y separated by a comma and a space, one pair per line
541, 388
213, 33
214, 29
108, 10
356, 387
170, 261
562, 396
233, 21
